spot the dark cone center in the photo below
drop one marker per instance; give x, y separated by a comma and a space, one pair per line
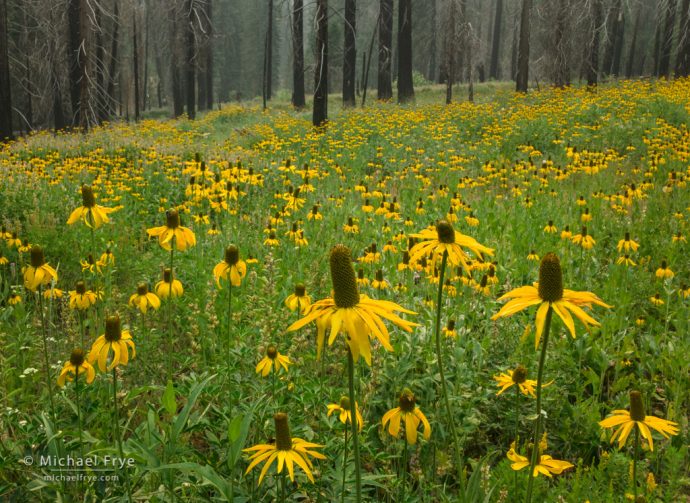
300, 290
406, 401
445, 231
173, 219
636, 406
81, 288
283, 439
232, 255
550, 278
345, 292
519, 374
37, 258
113, 331
87, 197
77, 357
142, 289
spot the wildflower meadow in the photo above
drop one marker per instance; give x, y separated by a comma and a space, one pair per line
479, 302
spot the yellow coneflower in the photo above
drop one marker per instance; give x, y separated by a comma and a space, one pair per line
231, 268
271, 240
52, 292
581, 201
38, 273
115, 339
76, 366
107, 258
3, 259
586, 216
314, 214
546, 465
300, 240
408, 412
14, 299
627, 244
90, 265
516, 377
166, 288
533, 256
491, 278
344, 411
13, 241
684, 291
92, 214
566, 233
664, 272
144, 299
362, 280
371, 256
379, 283
471, 220
389, 247
583, 239
678, 238
550, 228
172, 231
81, 298
626, 261
288, 451
449, 329
213, 231
298, 299
549, 293
445, 239
252, 260
656, 300
636, 417
272, 360
355, 314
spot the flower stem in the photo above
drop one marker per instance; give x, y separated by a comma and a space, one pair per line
118, 435
227, 341
439, 361
635, 455
78, 405
537, 427
517, 426
353, 423
403, 470
170, 300
342, 492
45, 357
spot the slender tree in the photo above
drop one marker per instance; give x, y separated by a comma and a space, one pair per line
683, 54
77, 62
592, 60
209, 54
450, 47
562, 71
267, 90
320, 111
190, 62
385, 89
5, 88
405, 83
633, 43
349, 53
432, 69
496, 43
298, 100
522, 79
175, 76
667, 40
100, 98
135, 62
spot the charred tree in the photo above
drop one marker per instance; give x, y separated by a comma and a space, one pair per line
633, 44
320, 111
431, 70
209, 54
349, 54
5, 88
496, 43
593, 48
449, 53
683, 54
190, 64
112, 65
77, 62
667, 40
384, 88
298, 100
522, 78
135, 61
405, 83
175, 73
267, 90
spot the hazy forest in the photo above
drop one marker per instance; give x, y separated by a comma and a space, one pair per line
407, 251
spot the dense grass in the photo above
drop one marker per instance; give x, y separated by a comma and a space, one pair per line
515, 162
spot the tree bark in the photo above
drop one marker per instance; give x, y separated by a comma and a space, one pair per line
349, 53
209, 55
385, 89
298, 100
77, 62
562, 74
667, 40
593, 56
432, 69
618, 43
496, 44
112, 66
268, 57
633, 44
320, 112
522, 79
6, 131
683, 54
405, 83
450, 51
175, 77
135, 61
145, 104
190, 69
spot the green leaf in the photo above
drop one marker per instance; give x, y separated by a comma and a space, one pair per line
183, 416
168, 399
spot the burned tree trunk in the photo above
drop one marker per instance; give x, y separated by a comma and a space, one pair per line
522, 79
320, 112
298, 100
496, 43
633, 44
405, 84
112, 66
667, 40
5, 88
350, 54
385, 89
593, 56
683, 54
190, 70
135, 61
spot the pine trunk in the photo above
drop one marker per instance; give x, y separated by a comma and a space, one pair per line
496, 43
350, 54
683, 54
298, 100
667, 40
593, 56
385, 89
6, 131
522, 79
320, 112
190, 70
135, 61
